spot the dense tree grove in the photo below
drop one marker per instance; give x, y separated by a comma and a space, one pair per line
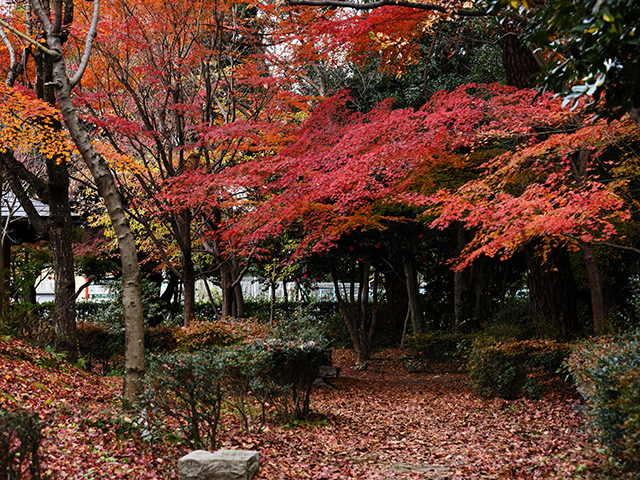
444, 161
459, 177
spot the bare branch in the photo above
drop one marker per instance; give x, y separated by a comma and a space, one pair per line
12, 57
42, 16
463, 12
91, 35
23, 173
40, 224
52, 53
606, 244
83, 286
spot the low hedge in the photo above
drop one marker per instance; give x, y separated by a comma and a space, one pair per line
192, 387
607, 375
515, 369
435, 348
20, 440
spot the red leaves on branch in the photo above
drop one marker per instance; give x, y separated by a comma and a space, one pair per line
344, 167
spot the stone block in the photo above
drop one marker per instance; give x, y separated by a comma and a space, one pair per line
329, 372
219, 465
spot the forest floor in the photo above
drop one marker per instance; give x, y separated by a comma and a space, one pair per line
382, 423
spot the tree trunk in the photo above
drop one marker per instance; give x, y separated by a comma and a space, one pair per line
351, 313
519, 63
395, 290
64, 311
237, 288
58, 227
413, 293
226, 285
634, 113
188, 270
595, 287
131, 295
552, 291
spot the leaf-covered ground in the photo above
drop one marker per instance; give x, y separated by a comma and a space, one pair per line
379, 424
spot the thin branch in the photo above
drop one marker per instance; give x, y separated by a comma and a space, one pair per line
42, 15
83, 286
243, 271
17, 168
40, 224
463, 12
606, 244
91, 35
12, 57
53, 54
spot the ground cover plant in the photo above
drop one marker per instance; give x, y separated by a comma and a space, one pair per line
380, 423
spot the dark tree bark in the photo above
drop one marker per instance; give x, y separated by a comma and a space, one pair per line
58, 226
395, 289
595, 287
472, 292
413, 294
552, 291
519, 62
188, 269
354, 307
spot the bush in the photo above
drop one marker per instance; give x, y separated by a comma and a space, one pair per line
20, 439
99, 346
23, 321
160, 339
191, 387
512, 370
206, 335
607, 375
439, 347
187, 388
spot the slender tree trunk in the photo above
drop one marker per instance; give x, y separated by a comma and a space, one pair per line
460, 284
188, 270
354, 325
413, 293
237, 288
131, 295
580, 171
226, 285
272, 306
285, 298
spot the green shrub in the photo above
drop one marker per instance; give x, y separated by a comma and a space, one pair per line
23, 321
20, 439
191, 387
607, 375
187, 388
295, 366
512, 370
440, 347
100, 347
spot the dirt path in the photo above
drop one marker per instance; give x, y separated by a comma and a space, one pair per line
390, 425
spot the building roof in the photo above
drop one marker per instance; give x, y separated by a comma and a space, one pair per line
11, 208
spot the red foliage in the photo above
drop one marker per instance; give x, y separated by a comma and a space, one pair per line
344, 167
